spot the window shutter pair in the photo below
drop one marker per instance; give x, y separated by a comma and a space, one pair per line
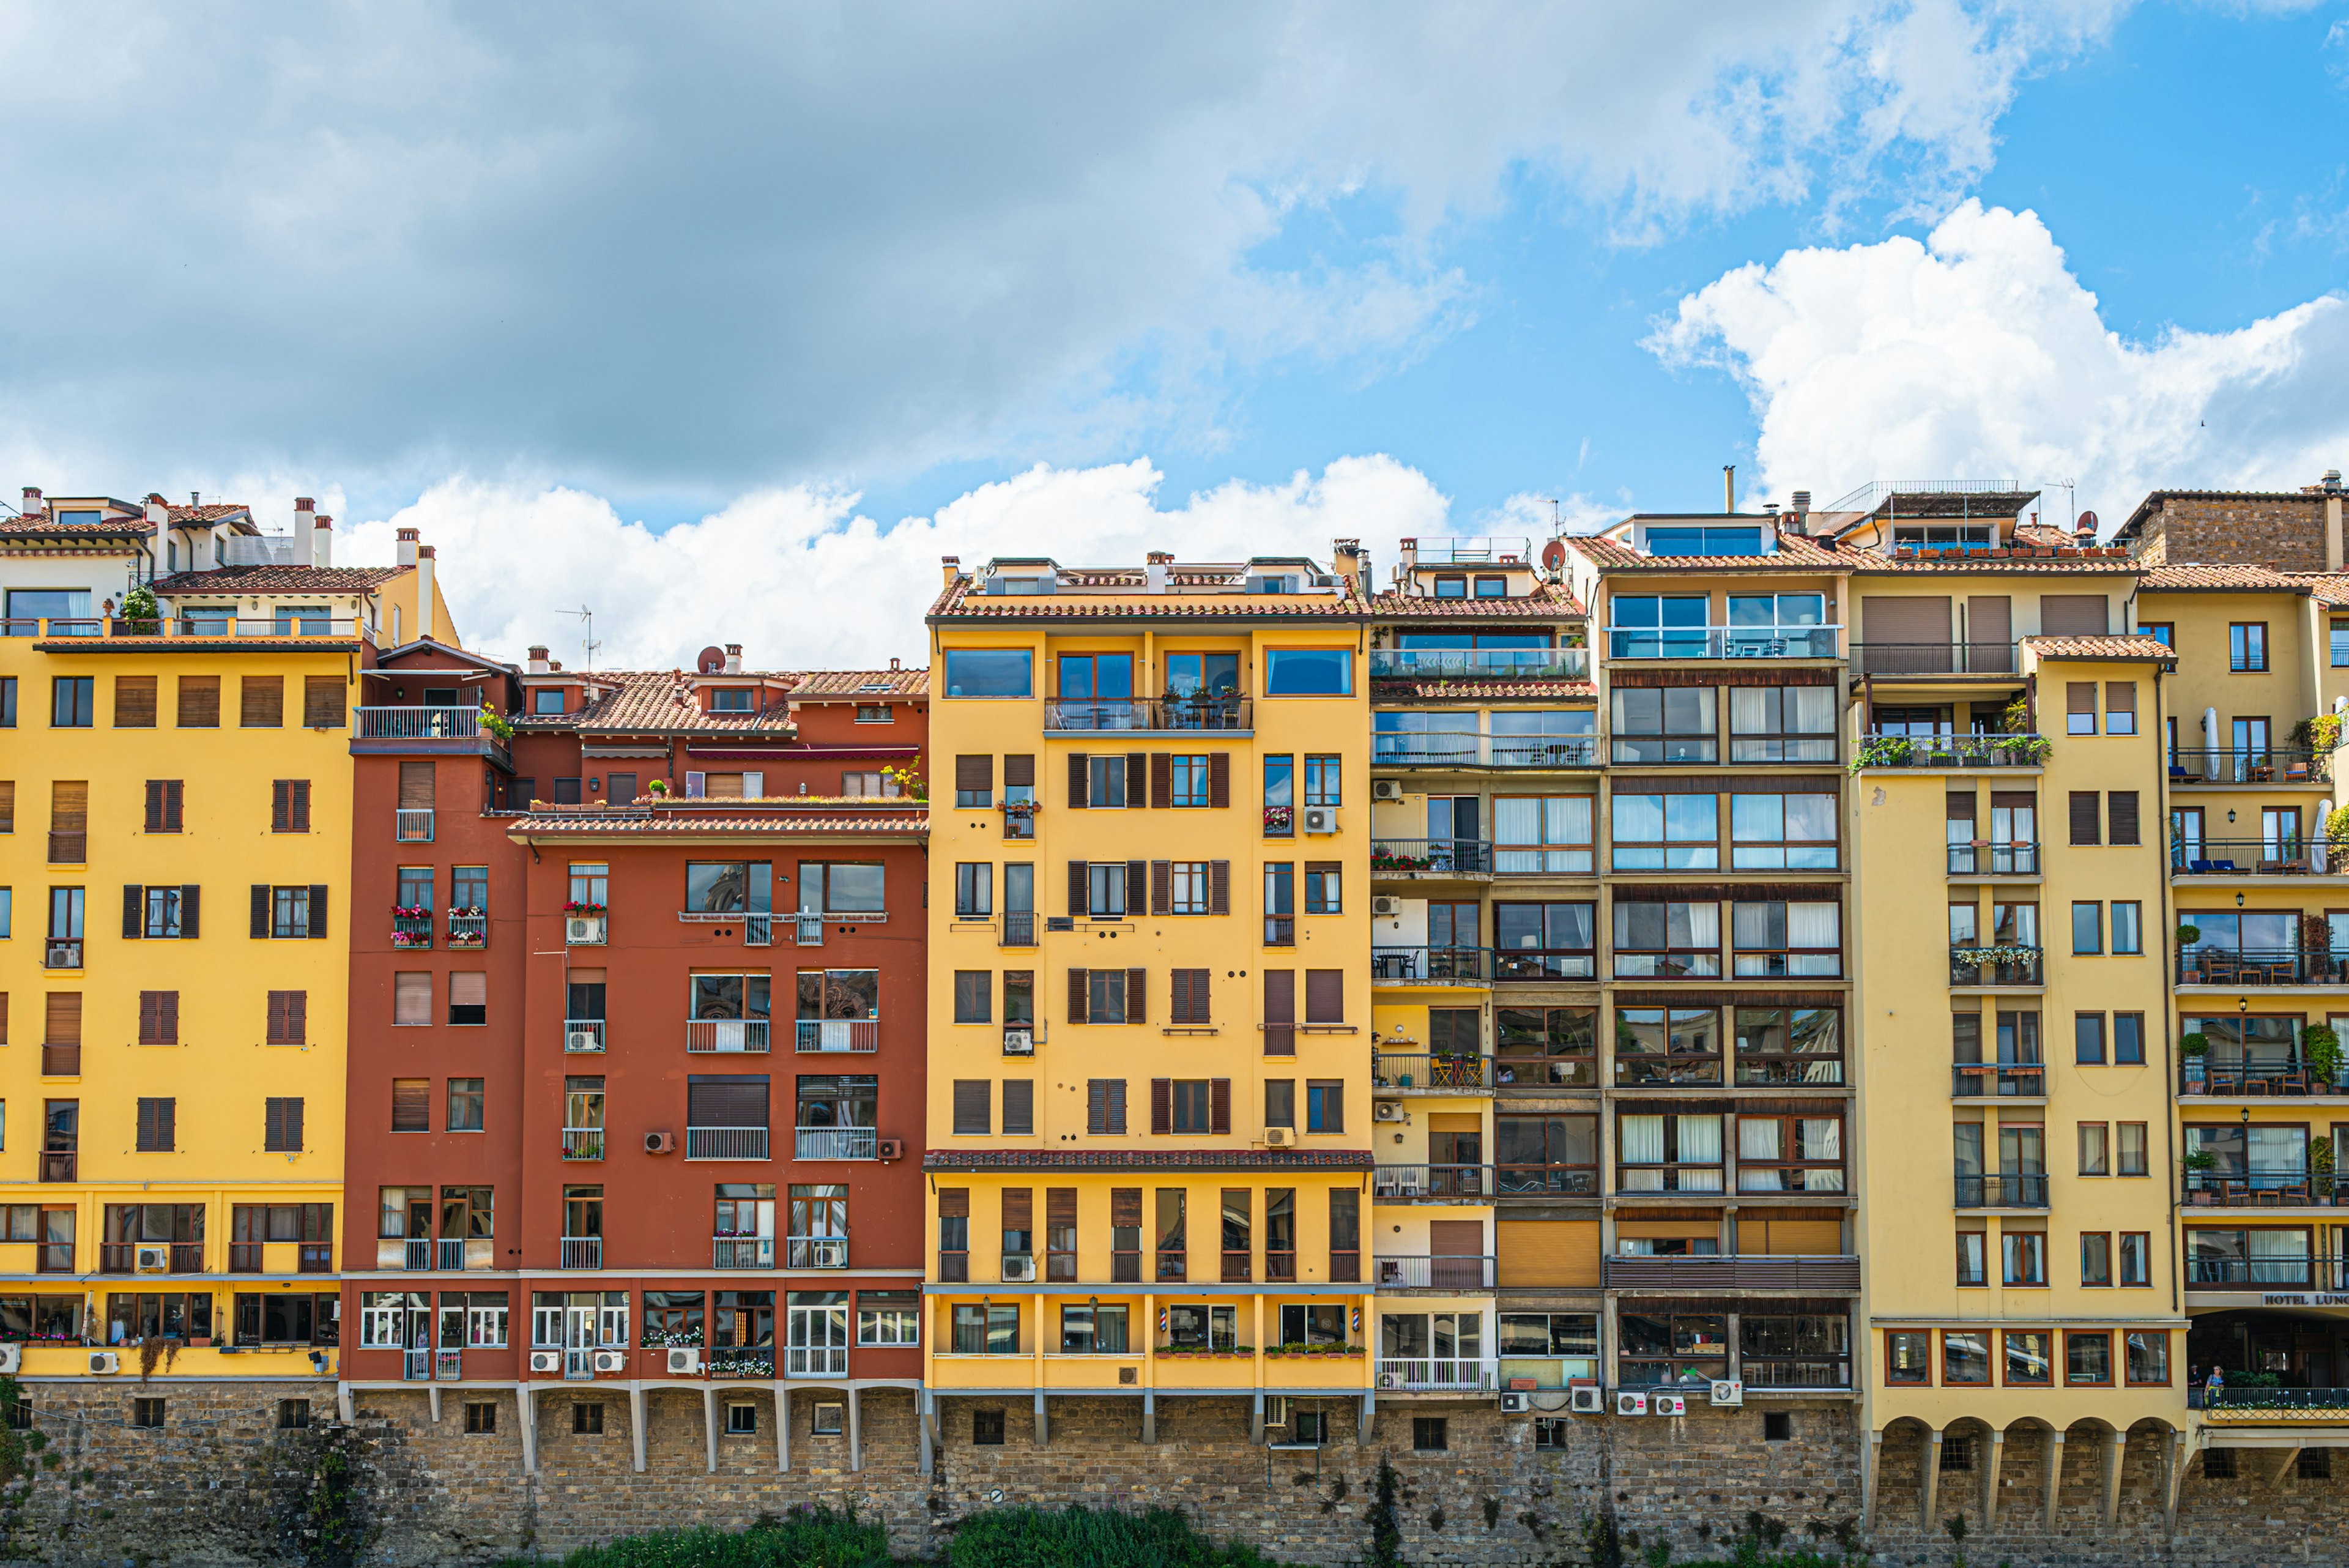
411, 1104
1190, 999
1162, 780
155, 1126
322, 703
2084, 817
159, 1018
289, 805
1079, 781
289, 1017
163, 804
134, 702
1105, 1105
2120, 808
262, 703
1162, 1107
282, 1131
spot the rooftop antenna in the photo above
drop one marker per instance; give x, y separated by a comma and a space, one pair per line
587, 643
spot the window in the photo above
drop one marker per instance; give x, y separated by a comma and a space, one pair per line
157, 1119
1190, 1105
411, 998
1280, 785
465, 1096
1667, 833
164, 801
1664, 724
1190, 781
1428, 1434
1668, 1153
727, 699
1323, 894
1019, 1108
1782, 724
159, 1018
1667, 1046
2147, 1351
2085, 824
2121, 810
2219, 1464
1775, 940
2128, 938
468, 997
73, 702
1531, 834
262, 702
2088, 1035
1782, 832
1189, 886
2095, 1258
2093, 1146
147, 1412
2088, 931
1545, 941
2025, 1257
293, 1415
546, 699
480, 1418
288, 1021
837, 888
973, 995
1545, 1046
411, 1104
281, 1125
1325, 1105
2132, 1156
888, 1318
587, 1419
2080, 708
1105, 889
1309, 672
1789, 1154
1778, 1045
988, 672
986, 1427
1191, 997
1971, 1267
2087, 1359
2120, 708
1965, 1359
7, 702
1279, 904
1105, 783
1667, 941
295, 912
973, 1107
974, 781
2247, 646
873, 713
2137, 1252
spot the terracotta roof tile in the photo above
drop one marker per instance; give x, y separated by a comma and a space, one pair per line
861, 683
2099, 648
231, 580
183, 515
2328, 587
45, 525
1149, 1159
2242, 576
2106, 561
1552, 601
1796, 553
652, 701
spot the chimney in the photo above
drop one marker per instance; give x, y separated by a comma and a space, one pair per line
895, 666
1729, 489
423, 591
953, 565
408, 537
306, 523
2333, 543
321, 544
1408, 550
537, 659
1346, 554
159, 513
1159, 560
33, 506
733, 658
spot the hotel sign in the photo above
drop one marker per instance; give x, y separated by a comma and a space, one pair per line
2320, 1300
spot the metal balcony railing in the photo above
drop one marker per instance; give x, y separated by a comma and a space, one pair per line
1988, 859
62, 952
1723, 642
1431, 1074
742, 1253
2235, 1076
759, 930
2281, 856
56, 1166
1431, 1183
468, 930
1995, 963
387, 724
1460, 750
726, 1143
835, 1143
1473, 550
2007, 1190
1019, 929
1997, 1080
827, 1034
819, 1252
2237, 967
416, 1254
1440, 1273
1546, 963
1434, 1373
582, 1143
815, 1361
583, 930
1547, 1180
1150, 715
2303, 1271
582, 1251
1679, 1176
753, 1361
53, 1257
2266, 1189
60, 1062
1439, 856
1770, 1271
2321, 1404
726, 1034
2248, 766
412, 824
411, 930
1932, 658
1878, 750
1480, 664
1809, 1372
582, 1034
68, 846
1431, 966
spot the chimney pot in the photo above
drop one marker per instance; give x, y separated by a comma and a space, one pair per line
306, 523
2332, 480
895, 666
406, 552
322, 542
733, 658
1802, 502
537, 665
952, 567
196, 498
159, 514
32, 500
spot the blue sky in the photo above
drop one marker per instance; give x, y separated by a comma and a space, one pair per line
685, 316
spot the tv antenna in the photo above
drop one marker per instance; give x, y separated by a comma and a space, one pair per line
587, 643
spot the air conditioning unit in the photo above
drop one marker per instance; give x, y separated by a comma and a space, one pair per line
611, 1361
1388, 1111
1385, 904
1586, 1399
1391, 1379
886, 1149
10, 1356
582, 1040
1281, 1137
64, 957
1020, 1043
546, 1361
154, 1260
1386, 789
1517, 1404
1728, 1391
1670, 1405
660, 1142
1321, 819
1275, 1409
103, 1363
683, 1361
1630, 1404
1019, 1268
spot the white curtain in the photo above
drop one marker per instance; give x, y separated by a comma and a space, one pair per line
1700, 922
1749, 926
1749, 709
2278, 1151
1643, 1139
1812, 926
1566, 819
1700, 1140
1822, 1138
1517, 819
1809, 710
1757, 1139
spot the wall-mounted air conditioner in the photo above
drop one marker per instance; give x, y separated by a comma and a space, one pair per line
683, 1361
1388, 1111
1019, 1268
1728, 1391
1669, 1405
1018, 1042
1517, 1404
1320, 818
546, 1361
1281, 1137
104, 1362
1630, 1404
611, 1361
1386, 904
1386, 789
154, 1260
1586, 1399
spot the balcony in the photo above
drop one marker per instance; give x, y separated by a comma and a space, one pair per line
742, 1253
2233, 1406
412, 824
815, 1361
1480, 664
456, 1254
2266, 1189
1471, 550
2281, 856
582, 1251
2290, 1272
582, 1034
404, 1255
726, 1143
1431, 966
468, 931
1933, 659
2003, 964
68, 846
1417, 1376
1431, 857
1432, 1273
1545, 963
1967, 752
61, 1061
819, 1252
1751, 1272
425, 730
124, 1257
1998, 1080
1152, 715
1432, 1184
412, 929
835, 1143
725, 1035
1393, 1074
1723, 642
1832, 1373
2235, 968
1449, 750
1547, 1180
749, 1361
206, 627
53, 1257
583, 930
2199, 766
582, 1143
2233, 1077
837, 1034
758, 925
62, 952
2005, 1190
1983, 858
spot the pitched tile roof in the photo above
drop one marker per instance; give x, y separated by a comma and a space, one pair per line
182, 516
1796, 553
1149, 1159
44, 524
1551, 601
861, 683
2099, 648
833, 819
658, 701
233, 580
2239, 576
1436, 690
2104, 561
2328, 587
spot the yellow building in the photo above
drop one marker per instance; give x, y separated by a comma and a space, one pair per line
175, 853
1150, 1113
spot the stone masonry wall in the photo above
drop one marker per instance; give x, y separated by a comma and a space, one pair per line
2287, 535
221, 1482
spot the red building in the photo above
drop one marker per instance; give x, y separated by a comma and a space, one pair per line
614, 1146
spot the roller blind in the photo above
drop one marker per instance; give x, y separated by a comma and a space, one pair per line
1548, 1252
726, 1102
416, 786
199, 702
323, 705
261, 703
134, 702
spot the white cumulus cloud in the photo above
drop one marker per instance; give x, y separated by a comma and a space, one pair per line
1977, 354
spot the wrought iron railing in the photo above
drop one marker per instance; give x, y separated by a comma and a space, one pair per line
2236, 966
1431, 1183
1459, 856
1429, 1073
2279, 857
1994, 859
1996, 1080
726, 1034
2249, 765
1995, 963
2006, 1189
1429, 966
1433, 1272
726, 1143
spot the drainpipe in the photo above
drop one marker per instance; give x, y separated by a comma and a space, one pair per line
2168, 995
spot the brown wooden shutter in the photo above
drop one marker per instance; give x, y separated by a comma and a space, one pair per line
1137, 778
2120, 806
2072, 614
281, 806
1020, 768
134, 702
1079, 901
973, 1112
2120, 697
1219, 887
1059, 1206
416, 786
1137, 996
261, 909
297, 805
1077, 999
1019, 1108
1280, 1012
190, 911
1162, 1107
282, 1129
199, 702
288, 1017
63, 1024
154, 1126
2083, 817
1161, 886
134, 911
260, 704
1325, 996
1219, 778
1126, 1207
1018, 1209
1201, 1012
323, 705
1077, 785
1553, 1251
159, 1018
1219, 1106
1162, 779
165, 799
69, 805
4, 1018
975, 773
1137, 886
7, 806
1097, 1106
411, 1104
318, 910
2080, 697
154, 806
954, 1202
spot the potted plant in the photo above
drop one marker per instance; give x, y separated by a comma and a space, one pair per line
1276, 819
496, 724
1884, 751
140, 612
2320, 1047
2196, 1164
658, 789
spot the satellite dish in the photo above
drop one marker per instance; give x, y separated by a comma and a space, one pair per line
1554, 555
710, 660
2088, 521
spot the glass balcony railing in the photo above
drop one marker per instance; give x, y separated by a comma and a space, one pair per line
2248, 766
2238, 967
1480, 664
2004, 1190
1987, 859
1723, 642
